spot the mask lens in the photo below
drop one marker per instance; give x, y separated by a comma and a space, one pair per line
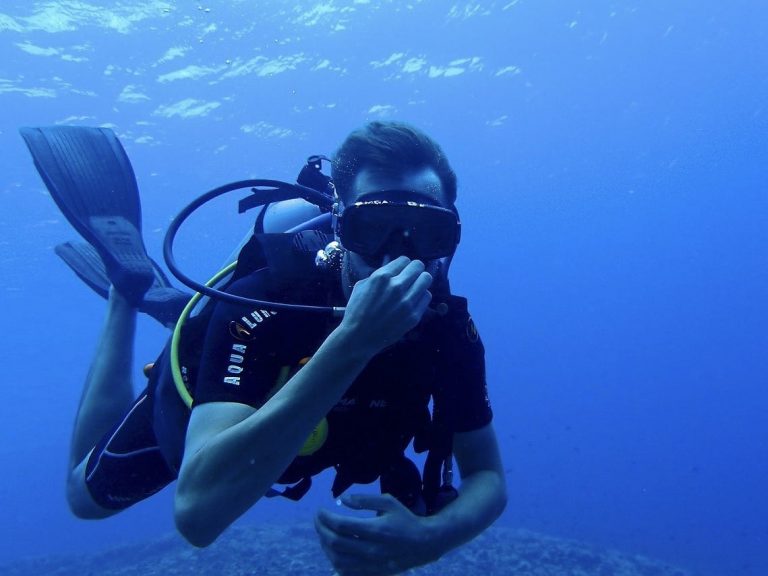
364, 231
435, 237
381, 228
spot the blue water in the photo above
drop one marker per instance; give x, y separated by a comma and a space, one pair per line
613, 162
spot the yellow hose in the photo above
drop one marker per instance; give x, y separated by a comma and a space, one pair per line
178, 380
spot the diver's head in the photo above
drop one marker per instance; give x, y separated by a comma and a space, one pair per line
396, 193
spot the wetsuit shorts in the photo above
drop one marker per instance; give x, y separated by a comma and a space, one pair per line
127, 465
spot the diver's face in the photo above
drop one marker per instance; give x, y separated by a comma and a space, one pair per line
424, 185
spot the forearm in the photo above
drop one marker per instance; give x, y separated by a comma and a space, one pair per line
482, 494
482, 498
229, 473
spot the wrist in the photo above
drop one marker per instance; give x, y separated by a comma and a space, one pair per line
351, 339
434, 533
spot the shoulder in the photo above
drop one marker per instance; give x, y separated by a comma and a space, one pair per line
457, 324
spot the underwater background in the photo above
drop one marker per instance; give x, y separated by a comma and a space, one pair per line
612, 160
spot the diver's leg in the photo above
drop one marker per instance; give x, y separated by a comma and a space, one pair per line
108, 390
125, 466
107, 394
115, 460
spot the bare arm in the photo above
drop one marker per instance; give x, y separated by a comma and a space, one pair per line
482, 493
234, 453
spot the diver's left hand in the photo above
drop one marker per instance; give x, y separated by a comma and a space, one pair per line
389, 543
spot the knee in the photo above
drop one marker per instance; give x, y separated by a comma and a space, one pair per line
80, 500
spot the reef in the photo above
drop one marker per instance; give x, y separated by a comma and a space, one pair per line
292, 549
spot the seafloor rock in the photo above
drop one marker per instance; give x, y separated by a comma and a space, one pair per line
294, 550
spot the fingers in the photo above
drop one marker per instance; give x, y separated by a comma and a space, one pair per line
394, 267
401, 267
367, 546
341, 525
405, 279
348, 542
410, 276
420, 288
348, 553
389, 302
337, 534
375, 502
355, 527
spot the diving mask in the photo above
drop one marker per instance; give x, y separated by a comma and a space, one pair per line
376, 228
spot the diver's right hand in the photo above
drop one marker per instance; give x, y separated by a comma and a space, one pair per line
387, 304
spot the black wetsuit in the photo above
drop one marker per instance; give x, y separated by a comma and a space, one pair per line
248, 353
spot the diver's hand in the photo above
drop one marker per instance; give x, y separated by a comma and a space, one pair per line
387, 304
389, 543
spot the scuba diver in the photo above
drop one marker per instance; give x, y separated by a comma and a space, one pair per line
333, 342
